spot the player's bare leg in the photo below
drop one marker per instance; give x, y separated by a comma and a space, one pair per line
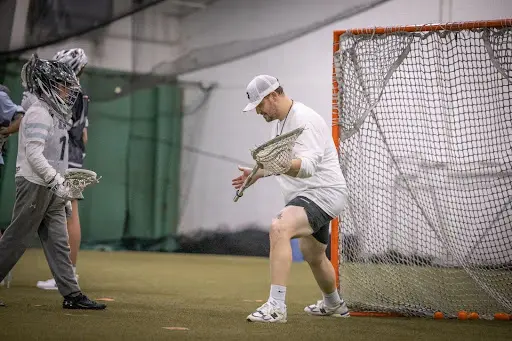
291, 222
331, 305
74, 233
7, 281
314, 254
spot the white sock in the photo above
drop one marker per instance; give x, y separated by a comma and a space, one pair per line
333, 299
278, 294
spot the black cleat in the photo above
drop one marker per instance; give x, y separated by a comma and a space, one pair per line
2, 304
81, 302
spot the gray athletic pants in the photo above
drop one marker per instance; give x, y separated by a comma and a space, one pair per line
38, 209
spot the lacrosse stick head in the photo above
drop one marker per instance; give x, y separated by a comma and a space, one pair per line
275, 156
78, 179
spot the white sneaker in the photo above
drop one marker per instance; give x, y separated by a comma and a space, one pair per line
49, 284
7, 280
270, 312
320, 309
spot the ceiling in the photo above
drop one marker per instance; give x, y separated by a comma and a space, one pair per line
183, 8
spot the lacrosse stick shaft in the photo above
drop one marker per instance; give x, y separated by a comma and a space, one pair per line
240, 191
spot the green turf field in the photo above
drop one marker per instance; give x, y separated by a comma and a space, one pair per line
208, 295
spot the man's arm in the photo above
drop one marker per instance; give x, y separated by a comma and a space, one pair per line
295, 168
39, 164
14, 127
37, 128
309, 151
8, 110
54, 181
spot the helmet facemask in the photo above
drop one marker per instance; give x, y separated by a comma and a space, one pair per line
56, 84
61, 96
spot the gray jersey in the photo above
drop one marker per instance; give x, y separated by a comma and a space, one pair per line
42, 145
78, 122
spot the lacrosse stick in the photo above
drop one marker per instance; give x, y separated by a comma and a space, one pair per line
78, 179
274, 156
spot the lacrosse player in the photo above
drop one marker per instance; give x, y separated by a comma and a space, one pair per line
314, 191
41, 190
76, 59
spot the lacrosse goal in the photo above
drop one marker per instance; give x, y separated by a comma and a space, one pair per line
422, 119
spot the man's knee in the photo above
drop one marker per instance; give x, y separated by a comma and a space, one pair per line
280, 229
291, 222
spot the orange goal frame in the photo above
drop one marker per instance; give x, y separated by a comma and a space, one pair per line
334, 251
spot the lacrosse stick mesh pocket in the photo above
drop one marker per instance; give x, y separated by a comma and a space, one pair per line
78, 180
276, 155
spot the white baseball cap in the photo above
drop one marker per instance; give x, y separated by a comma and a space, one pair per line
258, 88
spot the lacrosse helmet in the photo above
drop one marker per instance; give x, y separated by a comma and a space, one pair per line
23, 74
74, 58
53, 82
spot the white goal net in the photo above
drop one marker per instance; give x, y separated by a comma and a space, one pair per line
424, 118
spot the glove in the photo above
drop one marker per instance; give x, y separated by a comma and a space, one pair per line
58, 187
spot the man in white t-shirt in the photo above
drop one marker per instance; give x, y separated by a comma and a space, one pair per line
314, 190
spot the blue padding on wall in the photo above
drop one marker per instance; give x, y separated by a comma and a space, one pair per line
296, 254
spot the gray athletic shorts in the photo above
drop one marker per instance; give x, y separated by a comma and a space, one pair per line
318, 219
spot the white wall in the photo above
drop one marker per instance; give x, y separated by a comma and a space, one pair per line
304, 68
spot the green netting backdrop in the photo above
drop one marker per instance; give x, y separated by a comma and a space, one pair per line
134, 144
